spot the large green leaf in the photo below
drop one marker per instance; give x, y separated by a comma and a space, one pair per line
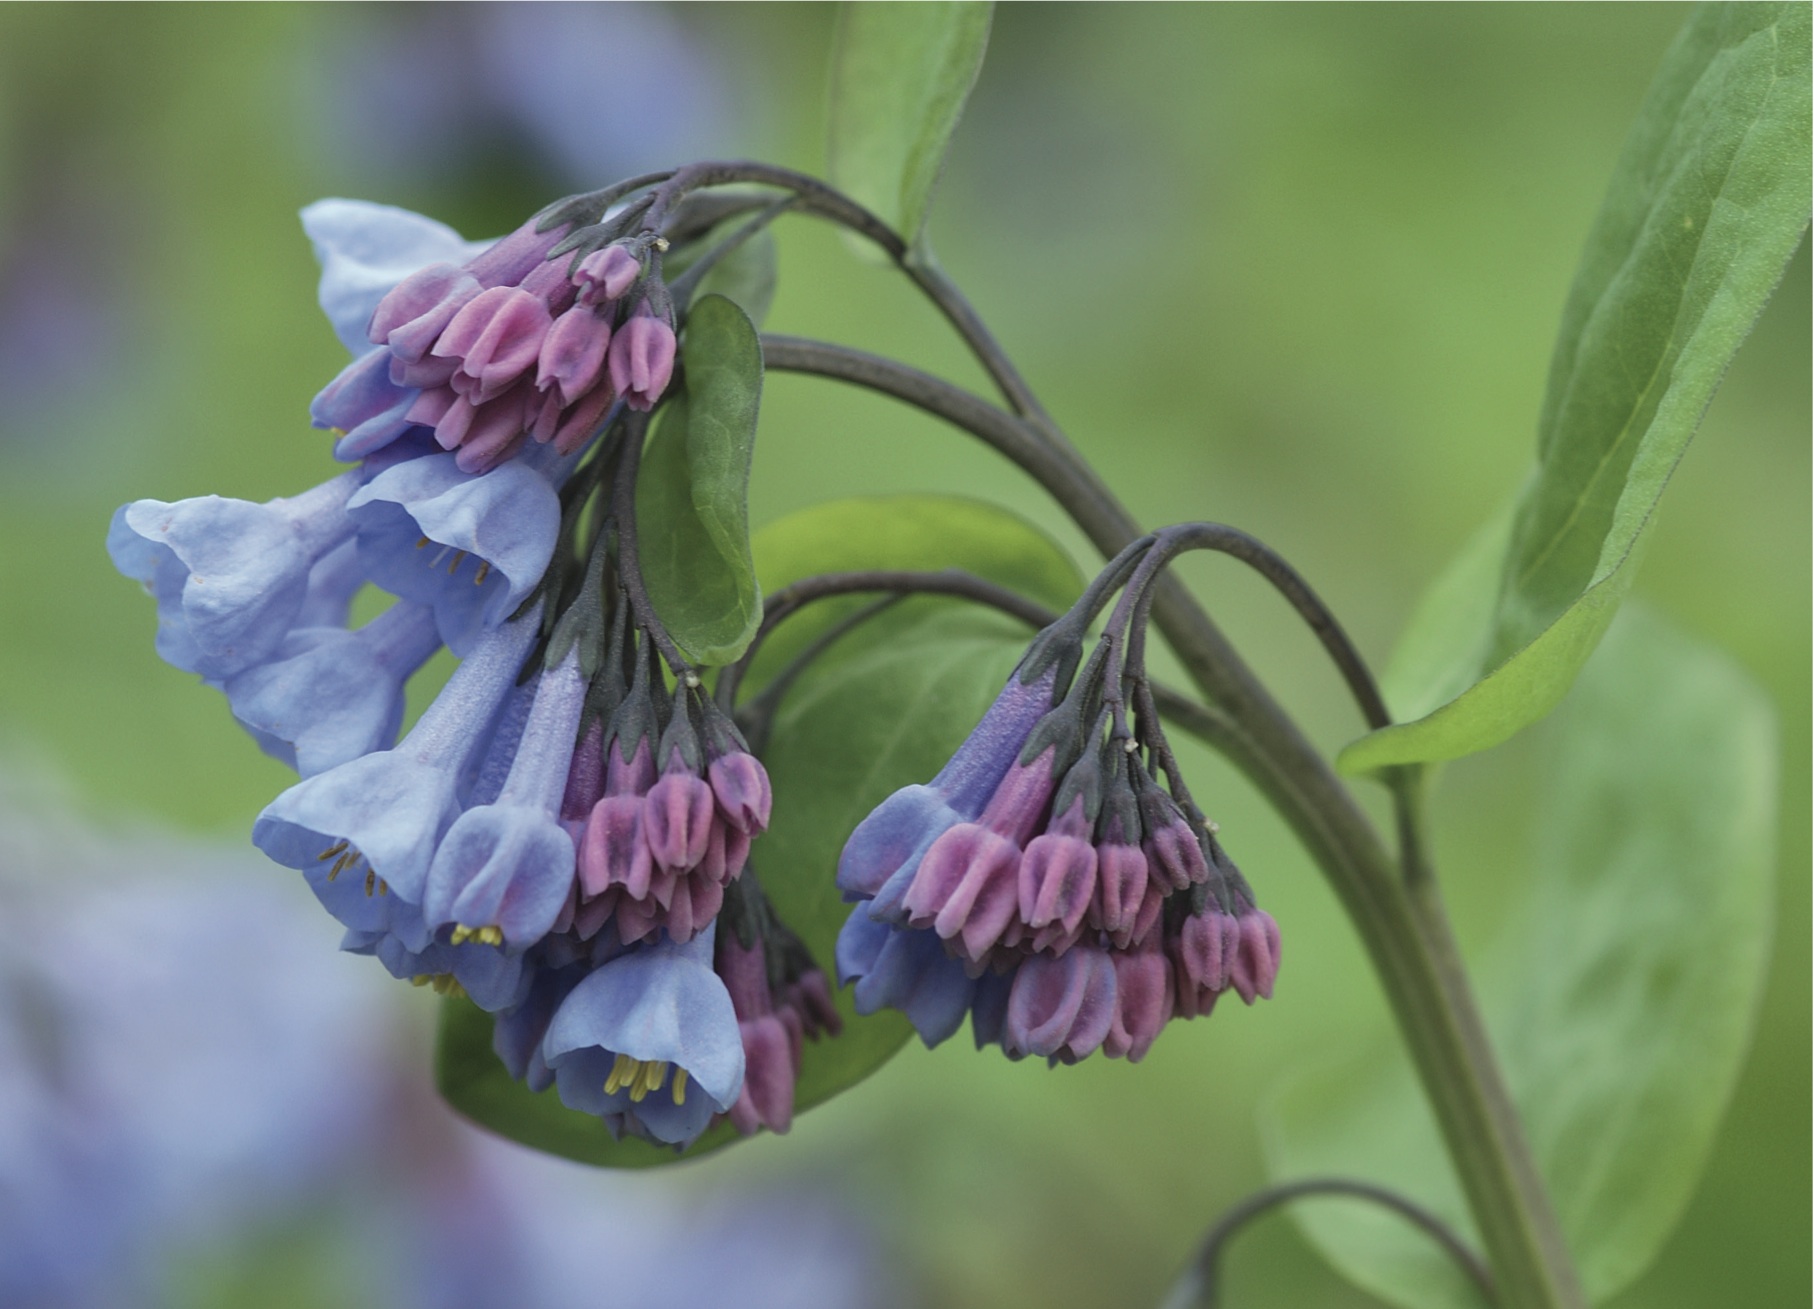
1708, 202
1621, 1002
692, 493
868, 718
899, 77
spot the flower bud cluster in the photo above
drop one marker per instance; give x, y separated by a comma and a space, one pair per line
667, 824
513, 343
1047, 885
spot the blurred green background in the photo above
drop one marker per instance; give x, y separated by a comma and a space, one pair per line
1296, 268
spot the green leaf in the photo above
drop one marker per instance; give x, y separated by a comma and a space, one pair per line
692, 492
899, 77
1708, 202
1622, 1001
870, 717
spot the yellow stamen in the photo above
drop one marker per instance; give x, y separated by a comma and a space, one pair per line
371, 880
454, 567
621, 1072
680, 1086
382, 888
330, 852
484, 572
649, 1079
343, 863
421, 543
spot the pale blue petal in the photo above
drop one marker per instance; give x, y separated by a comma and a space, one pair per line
365, 249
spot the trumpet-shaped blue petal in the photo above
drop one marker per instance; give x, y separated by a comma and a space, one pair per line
656, 1005
365, 249
327, 695
383, 814
229, 576
491, 978
905, 969
509, 864
471, 545
364, 405
892, 838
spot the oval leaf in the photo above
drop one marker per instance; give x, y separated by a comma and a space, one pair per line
692, 492
1622, 1003
1708, 202
899, 77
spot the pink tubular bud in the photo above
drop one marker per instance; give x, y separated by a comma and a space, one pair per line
613, 851
1061, 1008
572, 356
740, 783
677, 818
1144, 1000
1255, 962
606, 275
1174, 857
641, 360
1121, 886
416, 311
514, 257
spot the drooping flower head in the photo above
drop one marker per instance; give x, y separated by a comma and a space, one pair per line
529, 339
1027, 884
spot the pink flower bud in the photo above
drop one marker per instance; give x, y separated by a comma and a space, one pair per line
741, 785
677, 817
641, 360
606, 275
572, 356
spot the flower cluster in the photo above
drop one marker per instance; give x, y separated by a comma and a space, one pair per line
505, 345
1046, 884
557, 834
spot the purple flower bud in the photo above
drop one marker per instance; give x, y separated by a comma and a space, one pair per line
1203, 953
497, 336
1061, 1008
514, 257
1143, 1001
1058, 872
614, 851
572, 356
641, 360
1121, 889
1018, 807
677, 816
767, 1098
418, 309
1255, 963
741, 785
1173, 856
606, 275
